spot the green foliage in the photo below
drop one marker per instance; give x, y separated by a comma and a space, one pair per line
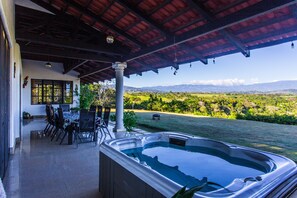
189, 193
130, 120
87, 95
112, 117
274, 108
95, 94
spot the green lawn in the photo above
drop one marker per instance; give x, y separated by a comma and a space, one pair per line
276, 138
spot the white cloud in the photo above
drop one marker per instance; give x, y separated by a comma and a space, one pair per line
254, 80
223, 82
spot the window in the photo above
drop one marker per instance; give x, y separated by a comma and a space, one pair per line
51, 91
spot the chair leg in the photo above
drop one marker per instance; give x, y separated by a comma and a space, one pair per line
46, 127
65, 133
50, 130
54, 133
58, 136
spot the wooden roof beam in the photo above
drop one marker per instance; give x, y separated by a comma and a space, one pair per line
65, 54
229, 36
74, 66
140, 15
61, 16
160, 28
257, 9
68, 44
94, 71
104, 22
144, 65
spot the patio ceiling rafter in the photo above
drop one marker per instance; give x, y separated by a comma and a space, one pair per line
103, 49
228, 35
74, 66
65, 54
94, 71
105, 23
66, 18
146, 66
160, 28
257, 9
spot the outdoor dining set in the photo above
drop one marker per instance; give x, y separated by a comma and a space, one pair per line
80, 126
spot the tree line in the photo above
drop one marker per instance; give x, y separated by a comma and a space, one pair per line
274, 108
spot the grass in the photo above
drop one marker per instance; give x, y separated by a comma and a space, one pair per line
276, 138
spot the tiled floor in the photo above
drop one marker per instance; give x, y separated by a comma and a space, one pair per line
41, 168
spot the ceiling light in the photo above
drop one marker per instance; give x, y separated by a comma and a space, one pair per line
110, 39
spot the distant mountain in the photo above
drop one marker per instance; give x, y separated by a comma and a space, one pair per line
272, 87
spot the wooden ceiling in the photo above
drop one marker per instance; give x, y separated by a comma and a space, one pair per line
149, 34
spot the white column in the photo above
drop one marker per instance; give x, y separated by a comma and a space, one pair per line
119, 69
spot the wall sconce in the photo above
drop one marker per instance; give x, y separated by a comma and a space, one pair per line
25, 81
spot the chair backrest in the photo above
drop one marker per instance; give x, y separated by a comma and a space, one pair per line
99, 112
47, 111
93, 108
51, 115
60, 118
106, 115
87, 121
65, 107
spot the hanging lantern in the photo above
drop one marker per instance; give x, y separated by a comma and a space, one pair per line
109, 39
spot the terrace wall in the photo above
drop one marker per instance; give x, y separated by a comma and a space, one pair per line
37, 70
7, 13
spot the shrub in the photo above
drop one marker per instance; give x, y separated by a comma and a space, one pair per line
129, 120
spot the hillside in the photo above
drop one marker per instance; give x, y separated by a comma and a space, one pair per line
275, 87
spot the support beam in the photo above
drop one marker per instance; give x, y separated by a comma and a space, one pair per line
255, 10
145, 66
93, 72
74, 66
104, 22
140, 15
159, 27
103, 48
65, 18
193, 53
229, 36
65, 54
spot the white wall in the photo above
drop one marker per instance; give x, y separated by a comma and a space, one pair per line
7, 13
37, 70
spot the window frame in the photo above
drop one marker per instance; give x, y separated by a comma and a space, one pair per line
46, 85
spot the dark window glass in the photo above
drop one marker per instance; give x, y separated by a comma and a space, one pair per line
51, 91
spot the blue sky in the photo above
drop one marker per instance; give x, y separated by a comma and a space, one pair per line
265, 65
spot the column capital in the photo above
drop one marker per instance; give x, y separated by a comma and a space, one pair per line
119, 65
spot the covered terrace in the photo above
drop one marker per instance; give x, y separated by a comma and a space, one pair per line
87, 41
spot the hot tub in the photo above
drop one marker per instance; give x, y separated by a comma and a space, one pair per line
159, 164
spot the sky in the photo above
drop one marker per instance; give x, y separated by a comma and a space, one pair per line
264, 65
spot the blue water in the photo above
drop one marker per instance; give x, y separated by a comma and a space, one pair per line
188, 165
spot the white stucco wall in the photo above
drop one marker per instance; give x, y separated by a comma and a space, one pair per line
7, 13
37, 70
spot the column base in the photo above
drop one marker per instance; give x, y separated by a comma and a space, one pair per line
119, 130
